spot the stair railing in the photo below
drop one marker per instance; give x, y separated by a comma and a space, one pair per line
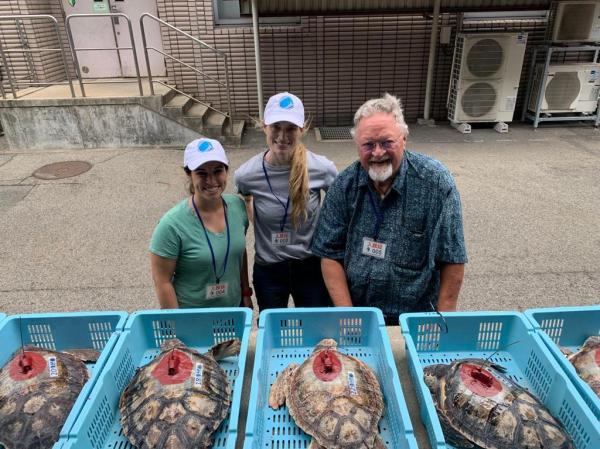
219, 53
117, 48
14, 83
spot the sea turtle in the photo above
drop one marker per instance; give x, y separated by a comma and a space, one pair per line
333, 397
480, 407
587, 362
179, 399
38, 388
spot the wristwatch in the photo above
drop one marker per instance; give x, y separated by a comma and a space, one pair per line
246, 291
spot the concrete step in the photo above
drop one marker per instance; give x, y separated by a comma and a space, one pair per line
177, 106
194, 116
238, 130
213, 124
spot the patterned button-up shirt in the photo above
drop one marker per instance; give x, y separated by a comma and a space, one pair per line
421, 228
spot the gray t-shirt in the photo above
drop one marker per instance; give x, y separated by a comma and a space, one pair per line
269, 212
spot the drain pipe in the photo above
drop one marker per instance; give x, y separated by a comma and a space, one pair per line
430, 68
259, 86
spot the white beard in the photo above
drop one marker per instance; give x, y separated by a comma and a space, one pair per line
380, 174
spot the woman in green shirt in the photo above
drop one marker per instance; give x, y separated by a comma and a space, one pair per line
198, 249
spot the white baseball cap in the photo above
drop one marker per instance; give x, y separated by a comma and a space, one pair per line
201, 151
284, 107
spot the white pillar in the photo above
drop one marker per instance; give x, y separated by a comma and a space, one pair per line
255, 31
432, 50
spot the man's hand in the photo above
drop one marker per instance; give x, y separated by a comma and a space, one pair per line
451, 277
336, 283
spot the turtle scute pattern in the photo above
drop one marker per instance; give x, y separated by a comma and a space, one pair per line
587, 363
333, 413
33, 410
179, 415
510, 419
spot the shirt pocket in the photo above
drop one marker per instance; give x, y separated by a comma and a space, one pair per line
409, 249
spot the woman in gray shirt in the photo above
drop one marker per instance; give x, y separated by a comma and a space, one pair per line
284, 186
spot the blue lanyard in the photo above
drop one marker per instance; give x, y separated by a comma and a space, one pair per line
212, 252
378, 213
286, 205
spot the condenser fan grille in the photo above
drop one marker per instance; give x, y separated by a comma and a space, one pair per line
485, 58
576, 22
479, 99
562, 90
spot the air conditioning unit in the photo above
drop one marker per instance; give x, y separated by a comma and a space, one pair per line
577, 21
569, 88
486, 70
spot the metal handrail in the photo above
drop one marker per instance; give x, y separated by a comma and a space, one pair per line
16, 18
117, 48
220, 53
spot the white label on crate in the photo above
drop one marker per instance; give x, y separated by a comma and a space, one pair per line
52, 367
352, 383
522, 38
198, 374
594, 94
593, 76
510, 103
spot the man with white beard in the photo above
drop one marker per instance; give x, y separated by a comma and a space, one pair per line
390, 232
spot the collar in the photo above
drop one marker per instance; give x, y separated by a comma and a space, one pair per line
364, 180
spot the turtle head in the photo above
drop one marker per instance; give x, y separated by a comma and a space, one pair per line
432, 375
326, 343
172, 343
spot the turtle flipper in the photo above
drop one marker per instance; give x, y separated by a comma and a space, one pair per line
279, 388
226, 349
379, 443
314, 445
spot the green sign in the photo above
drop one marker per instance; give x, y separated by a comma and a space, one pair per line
99, 7
72, 2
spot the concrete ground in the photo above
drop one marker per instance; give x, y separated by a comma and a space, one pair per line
531, 204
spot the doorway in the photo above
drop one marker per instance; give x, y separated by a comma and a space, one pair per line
107, 32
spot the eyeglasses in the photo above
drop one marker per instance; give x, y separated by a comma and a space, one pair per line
386, 145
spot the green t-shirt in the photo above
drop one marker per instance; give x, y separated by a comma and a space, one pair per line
179, 236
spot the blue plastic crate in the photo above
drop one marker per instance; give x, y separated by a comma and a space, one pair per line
289, 336
98, 425
2, 316
568, 327
480, 335
57, 331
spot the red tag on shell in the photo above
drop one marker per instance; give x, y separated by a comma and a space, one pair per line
598, 357
479, 380
175, 367
327, 365
26, 365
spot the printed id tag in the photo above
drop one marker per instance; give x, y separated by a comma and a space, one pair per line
373, 249
281, 238
217, 290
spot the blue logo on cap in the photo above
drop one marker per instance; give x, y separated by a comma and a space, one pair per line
286, 103
205, 146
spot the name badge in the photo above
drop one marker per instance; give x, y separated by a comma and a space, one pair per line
281, 238
374, 249
214, 291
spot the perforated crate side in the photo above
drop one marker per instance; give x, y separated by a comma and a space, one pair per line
98, 426
528, 362
568, 328
58, 331
288, 336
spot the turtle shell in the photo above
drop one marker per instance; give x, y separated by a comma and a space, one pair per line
177, 401
336, 399
477, 402
587, 363
38, 388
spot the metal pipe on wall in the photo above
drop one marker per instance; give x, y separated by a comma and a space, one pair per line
255, 32
432, 50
